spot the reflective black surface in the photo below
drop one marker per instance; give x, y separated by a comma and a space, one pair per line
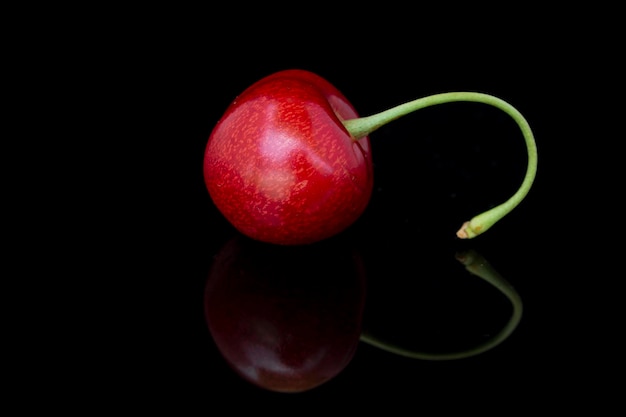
391, 296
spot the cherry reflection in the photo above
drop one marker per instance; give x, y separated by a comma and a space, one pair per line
286, 319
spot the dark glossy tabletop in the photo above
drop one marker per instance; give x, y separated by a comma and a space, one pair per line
394, 310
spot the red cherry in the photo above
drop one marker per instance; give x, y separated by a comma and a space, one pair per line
289, 162
281, 166
279, 326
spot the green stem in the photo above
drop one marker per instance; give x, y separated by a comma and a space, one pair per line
363, 126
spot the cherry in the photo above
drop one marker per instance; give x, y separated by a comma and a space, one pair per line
281, 166
290, 163
278, 325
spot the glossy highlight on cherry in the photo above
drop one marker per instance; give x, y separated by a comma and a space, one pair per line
290, 160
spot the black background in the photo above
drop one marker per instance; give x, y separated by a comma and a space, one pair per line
150, 87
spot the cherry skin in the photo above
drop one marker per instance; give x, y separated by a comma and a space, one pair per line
281, 166
289, 162
281, 326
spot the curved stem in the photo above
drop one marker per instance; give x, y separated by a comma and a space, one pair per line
363, 126
477, 265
